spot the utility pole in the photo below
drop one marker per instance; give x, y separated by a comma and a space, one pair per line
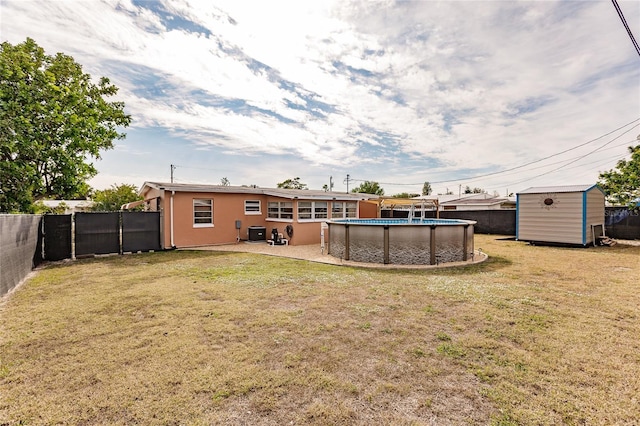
173, 167
347, 181
330, 183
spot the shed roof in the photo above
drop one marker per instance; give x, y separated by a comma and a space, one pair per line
563, 188
306, 194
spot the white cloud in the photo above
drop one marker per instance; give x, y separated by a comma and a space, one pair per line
407, 85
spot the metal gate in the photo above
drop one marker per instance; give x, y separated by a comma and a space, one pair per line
140, 231
57, 236
97, 233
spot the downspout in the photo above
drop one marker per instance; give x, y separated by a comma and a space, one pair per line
584, 219
517, 216
171, 220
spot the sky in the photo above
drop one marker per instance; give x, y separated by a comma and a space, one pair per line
496, 95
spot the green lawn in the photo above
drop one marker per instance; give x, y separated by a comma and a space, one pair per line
535, 335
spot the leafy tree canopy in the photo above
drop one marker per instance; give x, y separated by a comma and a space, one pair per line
405, 195
293, 184
426, 189
469, 190
53, 120
368, 187
110, 200
41, 208
622, 184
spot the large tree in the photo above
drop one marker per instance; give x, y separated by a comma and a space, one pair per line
53, 121
368, 187
111, 199
426, 189
622, 185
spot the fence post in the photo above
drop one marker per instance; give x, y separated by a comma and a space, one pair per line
465, 243
386, 244
432, 245
346, 242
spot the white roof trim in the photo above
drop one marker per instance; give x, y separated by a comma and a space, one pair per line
302, 194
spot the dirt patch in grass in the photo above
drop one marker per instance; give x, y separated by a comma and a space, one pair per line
535, 335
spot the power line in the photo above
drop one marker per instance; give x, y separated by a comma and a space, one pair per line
575, 160
553, 155
624, 22
617, 156
347, 180
516, 167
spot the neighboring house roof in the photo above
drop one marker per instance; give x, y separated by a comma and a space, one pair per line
564, 188
72, 205
306, 194
441, 198
478, 201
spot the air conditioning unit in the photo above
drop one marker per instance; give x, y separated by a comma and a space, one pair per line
257, 233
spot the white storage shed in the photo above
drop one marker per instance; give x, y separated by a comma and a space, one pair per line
572, 214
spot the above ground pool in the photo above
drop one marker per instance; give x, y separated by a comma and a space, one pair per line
401, 241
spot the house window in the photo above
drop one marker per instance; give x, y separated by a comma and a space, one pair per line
280, 210
308, 210
337, 210
320, 210
352, 210
252, 207
340, 210
304, 210
202, 212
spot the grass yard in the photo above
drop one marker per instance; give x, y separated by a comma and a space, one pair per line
535, 335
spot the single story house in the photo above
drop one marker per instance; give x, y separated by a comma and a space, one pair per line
70, 206
195, 215
474, 201
571, 214
479, 202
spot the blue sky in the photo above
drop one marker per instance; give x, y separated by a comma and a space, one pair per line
480, 94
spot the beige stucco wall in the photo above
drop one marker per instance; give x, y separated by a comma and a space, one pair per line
227, 208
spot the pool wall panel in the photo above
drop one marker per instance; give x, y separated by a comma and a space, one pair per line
366, 243
398, 242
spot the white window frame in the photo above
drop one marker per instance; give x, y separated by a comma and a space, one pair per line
337, 210
314, 211
347, 209
305, 210
250, 205
283, 211
203, 203
321, 212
